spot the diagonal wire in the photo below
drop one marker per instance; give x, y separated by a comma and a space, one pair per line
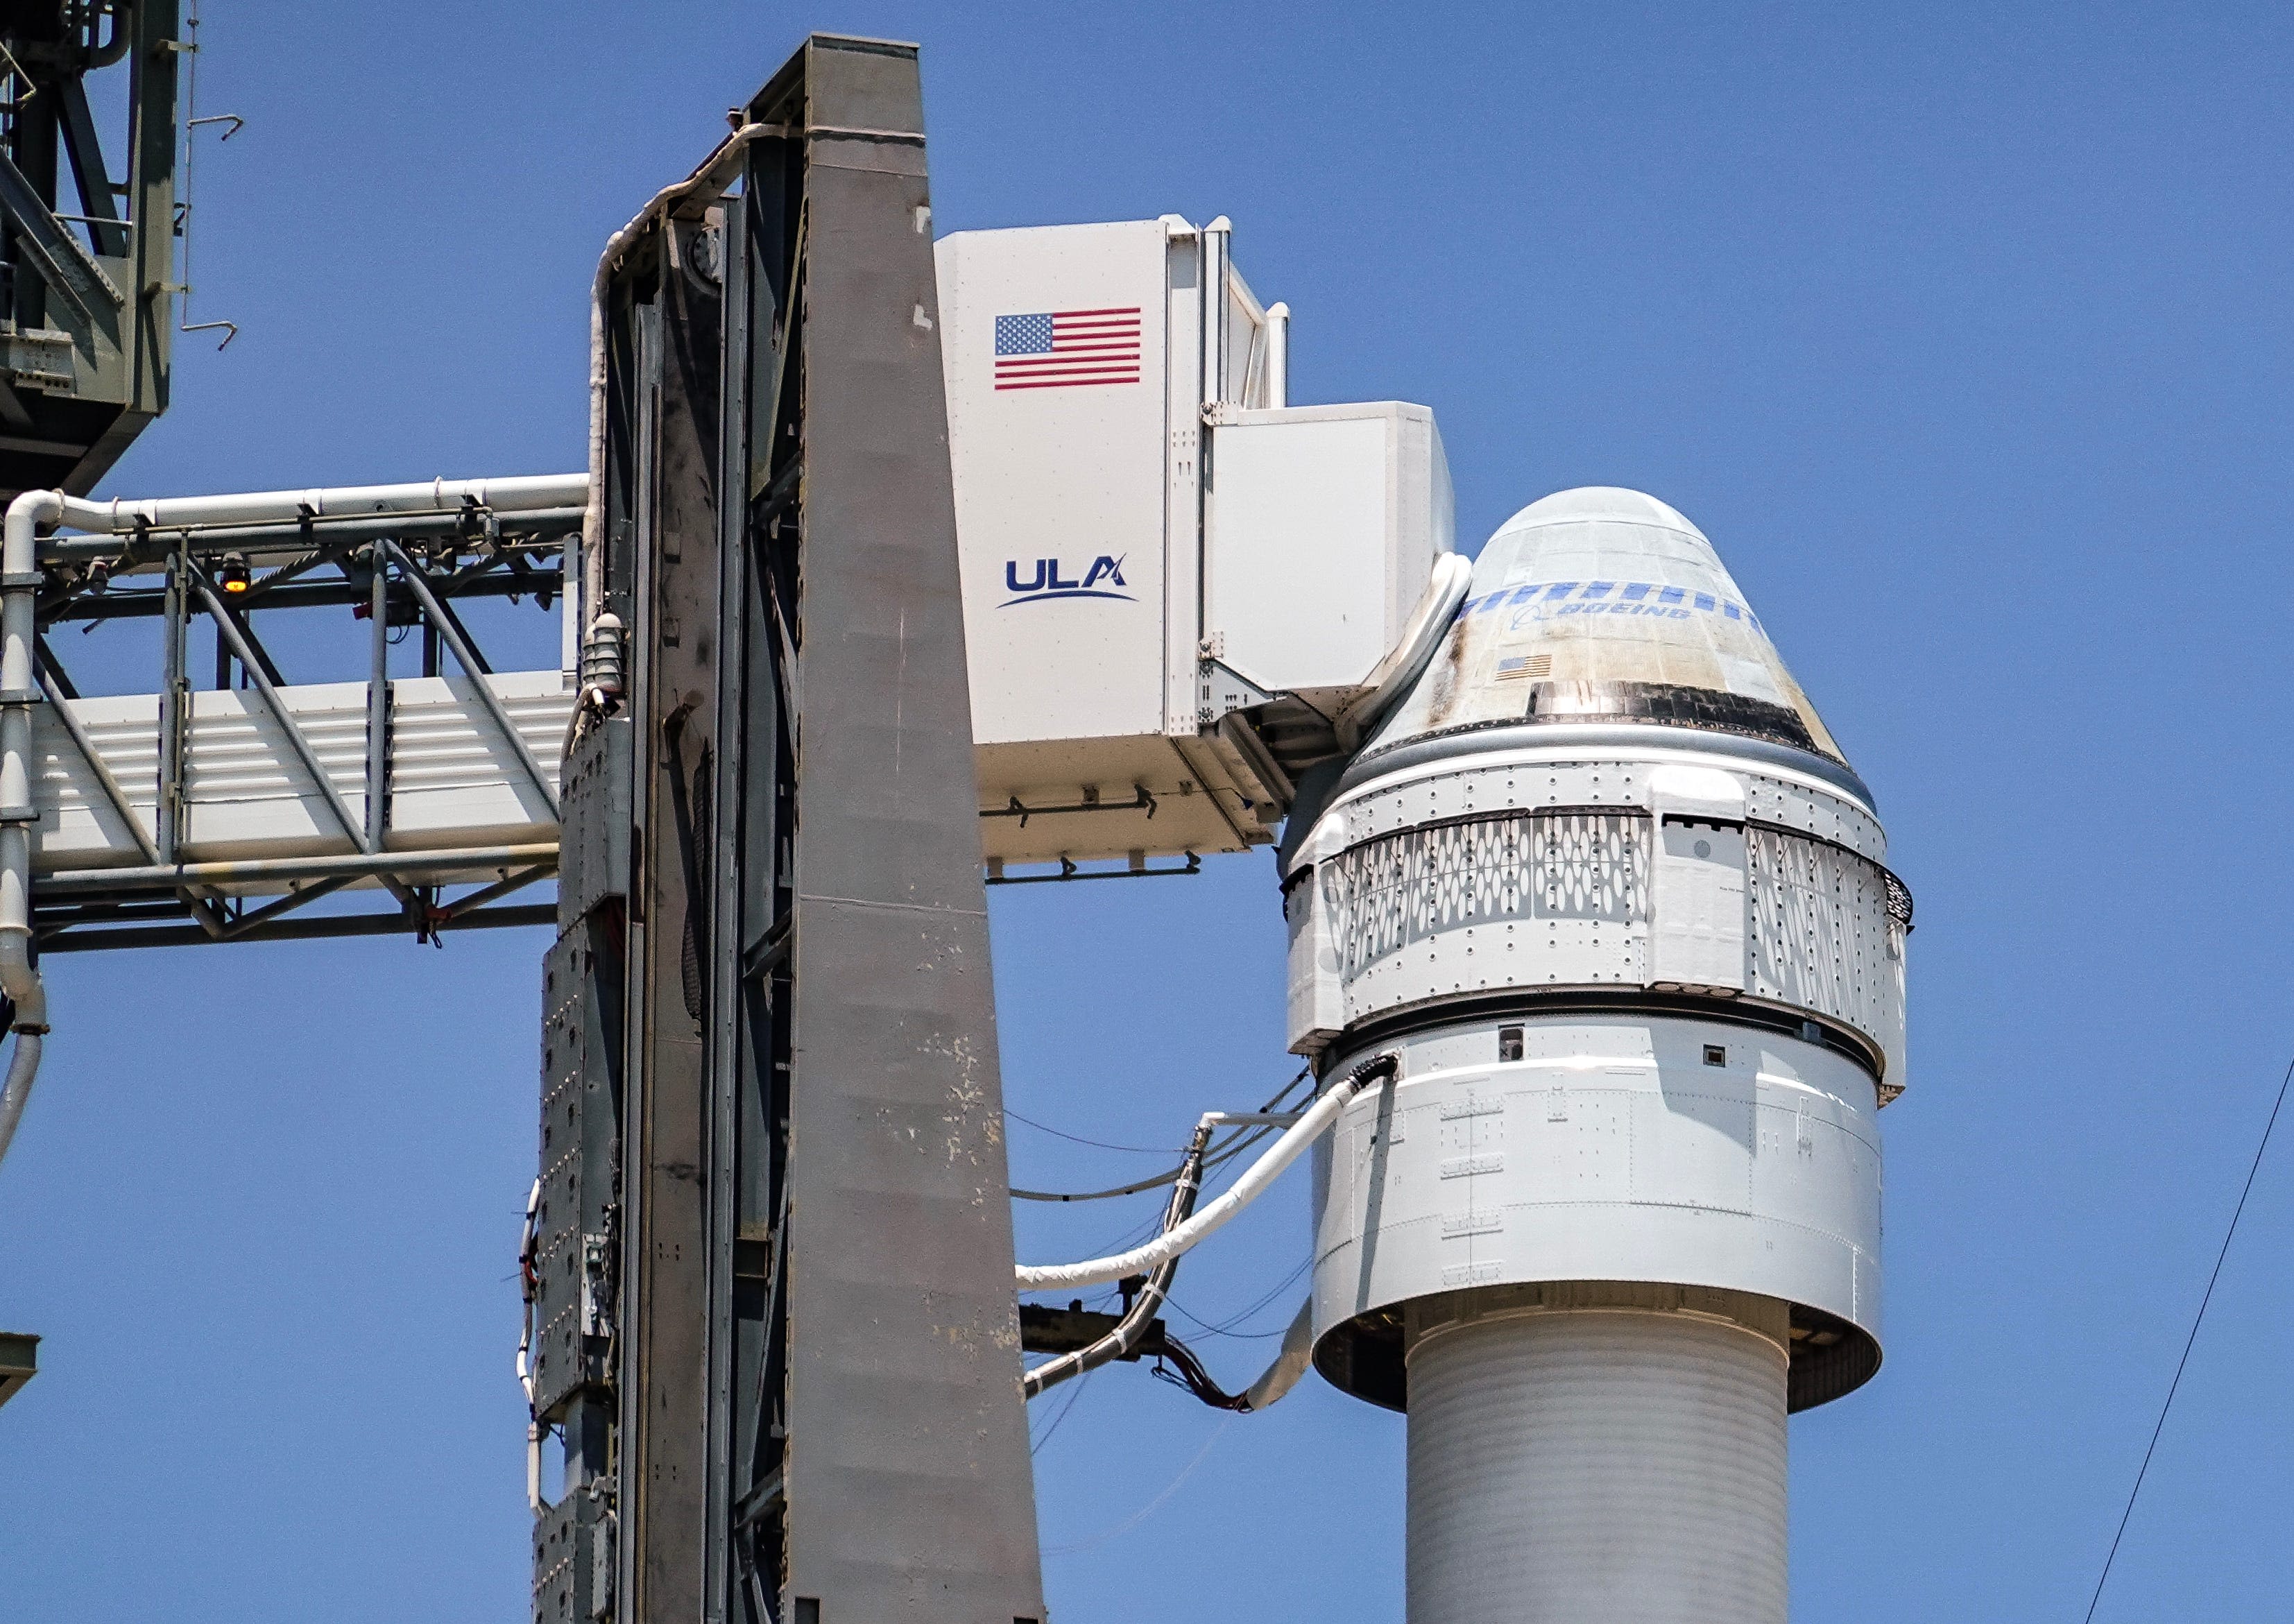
1225, 1327
1151, 1507
1097, 1144
1227, 1151
1066, 1409
2236, 1213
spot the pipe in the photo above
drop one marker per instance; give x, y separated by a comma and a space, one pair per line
20, 981
356, 864
1131, 1329
534, 1468
1216, 253
1291, 1364
294, 536
521, 494
1390, 678
525, 1249
1261, 1172
706, 176
1278, 354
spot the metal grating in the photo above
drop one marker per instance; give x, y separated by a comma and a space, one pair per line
1822, 931
1399, 889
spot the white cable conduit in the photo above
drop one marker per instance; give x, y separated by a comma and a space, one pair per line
713, 175
20, 579
19, 688
1310, 1125
525, 1347
1390, 680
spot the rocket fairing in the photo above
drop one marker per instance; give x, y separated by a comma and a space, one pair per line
1606, 883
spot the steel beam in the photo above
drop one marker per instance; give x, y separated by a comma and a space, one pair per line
474, 667
94, 321
248, 870
912, 1488
815, 1379
334, 925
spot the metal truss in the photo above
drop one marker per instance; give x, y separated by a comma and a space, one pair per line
87, 293
772, 1249
407, 575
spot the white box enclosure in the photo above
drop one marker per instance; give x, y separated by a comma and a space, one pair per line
1171, 578
1321, 525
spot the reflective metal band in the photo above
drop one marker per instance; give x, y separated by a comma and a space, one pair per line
1484, 738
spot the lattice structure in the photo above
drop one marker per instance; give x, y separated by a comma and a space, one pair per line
1823, 931
1386, 893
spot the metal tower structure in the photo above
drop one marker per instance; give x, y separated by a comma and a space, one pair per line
769, 1254
87, 293
771, 1250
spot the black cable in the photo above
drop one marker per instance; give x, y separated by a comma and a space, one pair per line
1225, 1327
1179, 1367
1225, 1153
1097, 1144
2236, 1213
1074, 1397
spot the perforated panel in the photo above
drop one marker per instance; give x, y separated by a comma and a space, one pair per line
1389, 892
1563, 898
1820, 933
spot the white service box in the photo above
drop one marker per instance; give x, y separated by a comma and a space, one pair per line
1321, 525
1084, 367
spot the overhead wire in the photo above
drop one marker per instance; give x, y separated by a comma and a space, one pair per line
1244, 1138
1225, 1152
2197, 1320
1097, 1144
1225, 1327
1075, 1396
1151, 1507
1302, 1130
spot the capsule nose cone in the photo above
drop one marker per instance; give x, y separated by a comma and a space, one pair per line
1603, 606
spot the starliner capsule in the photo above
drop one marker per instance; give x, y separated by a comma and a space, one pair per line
1608, 887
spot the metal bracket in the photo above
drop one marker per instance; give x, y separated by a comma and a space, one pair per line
1070, 870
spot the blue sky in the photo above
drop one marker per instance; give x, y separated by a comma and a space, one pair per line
1963, 332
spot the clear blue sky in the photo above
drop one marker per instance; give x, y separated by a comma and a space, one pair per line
1966, 334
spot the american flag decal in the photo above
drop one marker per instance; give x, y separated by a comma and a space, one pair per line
1066, 349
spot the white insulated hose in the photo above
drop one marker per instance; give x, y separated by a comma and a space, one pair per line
716, 172
1302, 1133
20, 690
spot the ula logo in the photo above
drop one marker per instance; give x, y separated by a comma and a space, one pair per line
1047, 582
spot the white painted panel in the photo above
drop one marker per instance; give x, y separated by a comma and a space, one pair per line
1698, 908
455, 779
1623, 1155
1321, 525
1692, 1143
1060, 476
1698, 890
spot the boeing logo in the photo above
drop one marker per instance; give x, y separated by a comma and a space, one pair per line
1047, 583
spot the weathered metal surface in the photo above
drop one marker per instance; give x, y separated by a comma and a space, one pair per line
664, 1487
20, 1361
815, 1370
909, 1485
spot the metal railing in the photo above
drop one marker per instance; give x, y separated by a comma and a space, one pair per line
407, 560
